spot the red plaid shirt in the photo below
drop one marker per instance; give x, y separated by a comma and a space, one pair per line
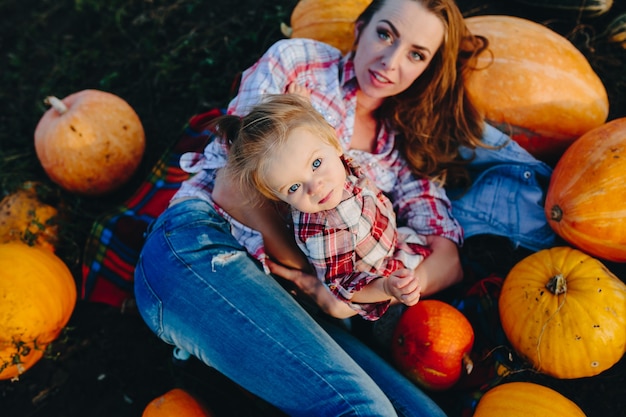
358, 241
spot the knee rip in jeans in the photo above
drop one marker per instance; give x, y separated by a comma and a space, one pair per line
225, 258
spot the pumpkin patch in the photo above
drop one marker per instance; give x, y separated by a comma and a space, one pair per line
38, 295
535, 85
565, 312
431, 344
89, 143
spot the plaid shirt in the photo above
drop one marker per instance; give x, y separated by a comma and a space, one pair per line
419, 203
357, 242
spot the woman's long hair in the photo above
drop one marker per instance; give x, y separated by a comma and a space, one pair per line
434, 115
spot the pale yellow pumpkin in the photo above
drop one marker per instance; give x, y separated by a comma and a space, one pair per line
565, 312
535, 85
90, 143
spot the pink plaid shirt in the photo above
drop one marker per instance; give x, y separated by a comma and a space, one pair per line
419, 203
358, 241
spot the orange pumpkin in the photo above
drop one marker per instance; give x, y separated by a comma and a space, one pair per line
327, 21
587, 192
565, 312
525, 399
90, 143
38, 294
24, 217
176, 403
431, 344
535, 85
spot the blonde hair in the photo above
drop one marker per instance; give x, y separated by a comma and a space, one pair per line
254, 138
434, 114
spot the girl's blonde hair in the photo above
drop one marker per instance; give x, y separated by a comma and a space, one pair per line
254, 138
434, 114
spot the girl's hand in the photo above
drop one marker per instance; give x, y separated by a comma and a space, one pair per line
298, 89
313, 288
404, 286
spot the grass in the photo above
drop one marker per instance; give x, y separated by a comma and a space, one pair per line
168, 59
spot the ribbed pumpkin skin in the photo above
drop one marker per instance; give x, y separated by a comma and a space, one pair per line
586, 198
94, 147
328, 21
535, 85
525, 399
176, 403
579, 333
38, 295
589, 8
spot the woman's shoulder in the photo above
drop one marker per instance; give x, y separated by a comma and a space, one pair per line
303, 47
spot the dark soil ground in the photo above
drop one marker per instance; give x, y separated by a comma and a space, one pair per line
170, 60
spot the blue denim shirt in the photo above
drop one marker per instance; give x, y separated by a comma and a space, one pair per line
507, 194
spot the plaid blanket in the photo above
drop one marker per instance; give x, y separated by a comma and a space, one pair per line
115, 239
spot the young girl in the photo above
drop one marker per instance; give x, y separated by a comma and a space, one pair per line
343, 223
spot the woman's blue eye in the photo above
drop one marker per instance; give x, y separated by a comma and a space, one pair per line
383, 34
417, 56
317, 163
294, 188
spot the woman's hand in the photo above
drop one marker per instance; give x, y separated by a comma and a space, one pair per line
442, 268
313, 288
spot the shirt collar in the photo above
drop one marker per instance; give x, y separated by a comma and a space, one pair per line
347, 74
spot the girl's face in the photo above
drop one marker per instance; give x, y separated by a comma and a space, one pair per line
396, 47
307, 172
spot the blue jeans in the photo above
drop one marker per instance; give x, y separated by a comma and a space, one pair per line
197, 289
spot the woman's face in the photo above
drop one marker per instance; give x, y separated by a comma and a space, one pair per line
395, 47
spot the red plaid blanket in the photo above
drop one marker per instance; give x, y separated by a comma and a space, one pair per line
113, 245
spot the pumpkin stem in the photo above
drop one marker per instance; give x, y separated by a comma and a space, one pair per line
557, 284
56, 104
556, 213
468, 363
286, 29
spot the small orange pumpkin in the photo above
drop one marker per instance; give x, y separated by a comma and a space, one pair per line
565, 312
327, 21
431, 344
525, 399
38, 294
90, 143
176, 403
585, 198
534, 85
24, 217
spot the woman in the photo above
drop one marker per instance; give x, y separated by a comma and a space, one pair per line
198, 288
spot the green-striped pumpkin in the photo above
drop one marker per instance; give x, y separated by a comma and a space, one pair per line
615, 32
589, 8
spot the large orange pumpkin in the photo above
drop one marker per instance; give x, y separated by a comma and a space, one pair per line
565, 312
38, 294
525, 399
586, 199
176, 403
327, 21
535, 85
90, 143
431, 344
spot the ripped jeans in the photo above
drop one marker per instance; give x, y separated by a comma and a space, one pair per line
197, 289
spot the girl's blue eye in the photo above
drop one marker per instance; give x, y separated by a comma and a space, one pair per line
294, 188
317, 163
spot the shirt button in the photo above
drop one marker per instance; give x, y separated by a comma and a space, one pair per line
527, 174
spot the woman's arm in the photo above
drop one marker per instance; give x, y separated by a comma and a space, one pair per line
442, 268
313, 288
